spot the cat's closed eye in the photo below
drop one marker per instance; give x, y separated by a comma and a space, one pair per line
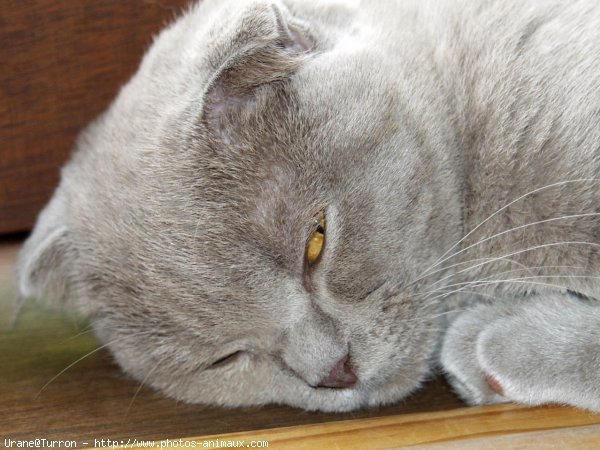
225, 360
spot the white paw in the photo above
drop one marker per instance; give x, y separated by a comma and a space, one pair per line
459, 357
534, 351
510, 356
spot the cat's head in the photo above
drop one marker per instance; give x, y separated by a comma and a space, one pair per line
244, 223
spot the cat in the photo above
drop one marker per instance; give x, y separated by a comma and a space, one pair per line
317, 203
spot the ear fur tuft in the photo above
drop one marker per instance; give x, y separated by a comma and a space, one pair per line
267, 47
43, 265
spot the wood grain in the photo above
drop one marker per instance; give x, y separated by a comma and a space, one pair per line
61, 64
491, 427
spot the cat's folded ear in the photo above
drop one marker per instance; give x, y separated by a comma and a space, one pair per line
267, 45
44, 265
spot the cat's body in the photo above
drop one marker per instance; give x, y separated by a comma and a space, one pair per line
417, 129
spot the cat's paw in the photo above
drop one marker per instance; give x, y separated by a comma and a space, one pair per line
459, 357
546, 351
512, 353
535, 351
495, 353
460, 361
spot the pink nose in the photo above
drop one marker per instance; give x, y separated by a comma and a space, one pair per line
341, 376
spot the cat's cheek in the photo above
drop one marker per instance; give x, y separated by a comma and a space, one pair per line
400, 386
401, 368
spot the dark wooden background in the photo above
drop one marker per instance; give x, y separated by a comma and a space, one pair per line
61, 63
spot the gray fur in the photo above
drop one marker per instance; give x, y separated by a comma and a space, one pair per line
180, 222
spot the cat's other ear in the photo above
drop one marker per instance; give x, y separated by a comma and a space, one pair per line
44, 265
268, 45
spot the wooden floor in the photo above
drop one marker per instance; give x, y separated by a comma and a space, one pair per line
92, 400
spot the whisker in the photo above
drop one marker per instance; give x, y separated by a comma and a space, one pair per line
432, 317
91, 328
482, 294
560, 183
482, 283
494, 259
461, 308
86, 330
553, 219
487, 281
489, 259
485, 259
142, 384
81, 359
529, 269
69, 366
436, 315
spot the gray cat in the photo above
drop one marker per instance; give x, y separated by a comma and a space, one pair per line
317, 202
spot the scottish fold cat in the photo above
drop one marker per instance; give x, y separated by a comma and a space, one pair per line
317, 202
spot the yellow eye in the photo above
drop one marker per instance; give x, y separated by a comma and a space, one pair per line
314, 246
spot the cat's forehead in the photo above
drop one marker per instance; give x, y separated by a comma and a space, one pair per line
263, 186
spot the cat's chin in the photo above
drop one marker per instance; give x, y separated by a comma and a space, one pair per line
370, 393
364, 395
344, 400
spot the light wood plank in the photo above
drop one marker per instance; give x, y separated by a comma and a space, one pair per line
565, 438
500, 426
